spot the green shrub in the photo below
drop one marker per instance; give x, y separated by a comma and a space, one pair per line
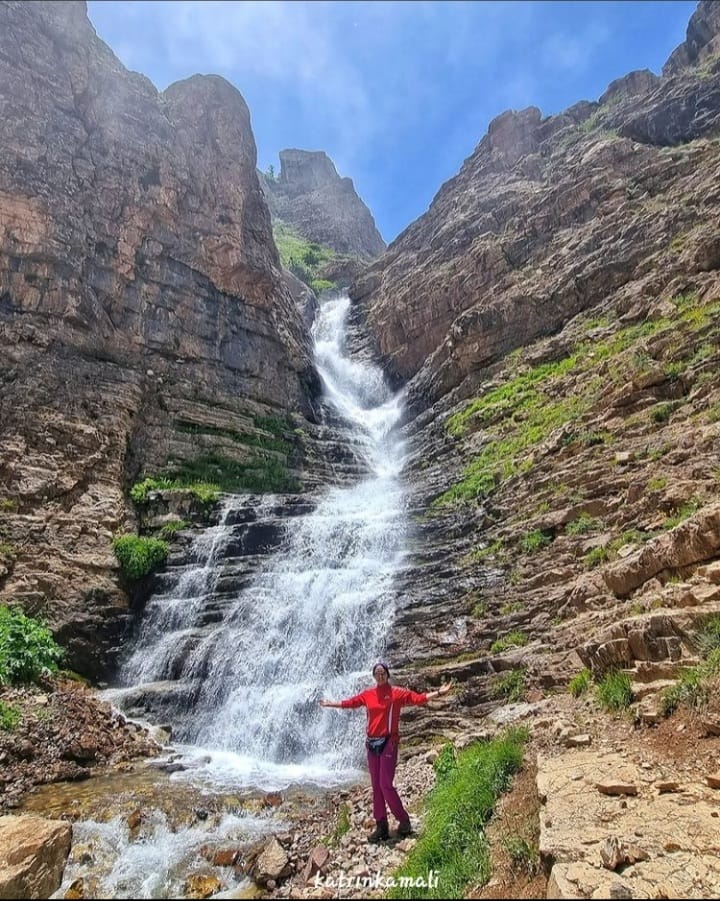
453, 845
205, 492
341, 827
140, 490
446, 761
139, 556
9, 717
584, 523
534, 540
661, 412
614, 691
581, 683
27, 647
169, 530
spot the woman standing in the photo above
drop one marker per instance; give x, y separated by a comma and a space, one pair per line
383, 704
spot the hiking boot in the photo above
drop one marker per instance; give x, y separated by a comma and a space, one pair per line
380, 834
404, 828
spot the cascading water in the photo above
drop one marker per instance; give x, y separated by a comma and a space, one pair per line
311, 621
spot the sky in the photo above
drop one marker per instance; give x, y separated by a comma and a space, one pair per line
398, 94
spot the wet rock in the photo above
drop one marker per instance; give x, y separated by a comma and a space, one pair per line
202, 885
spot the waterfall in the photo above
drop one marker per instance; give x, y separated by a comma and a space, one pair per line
242, 671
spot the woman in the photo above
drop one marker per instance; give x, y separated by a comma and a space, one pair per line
383, 704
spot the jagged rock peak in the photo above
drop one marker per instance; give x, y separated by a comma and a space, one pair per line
702, 39
306, 170
310, 196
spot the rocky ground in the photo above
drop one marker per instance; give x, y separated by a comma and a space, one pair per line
605, 806
63, 733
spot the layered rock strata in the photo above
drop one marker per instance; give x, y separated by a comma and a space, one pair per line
556, 312
144, 321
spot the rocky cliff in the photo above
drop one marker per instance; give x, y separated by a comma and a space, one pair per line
144, 322
549, 216
555, 314
311, 197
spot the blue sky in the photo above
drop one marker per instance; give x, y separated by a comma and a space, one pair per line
397, 93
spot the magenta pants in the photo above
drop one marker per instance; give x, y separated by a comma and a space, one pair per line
382, 772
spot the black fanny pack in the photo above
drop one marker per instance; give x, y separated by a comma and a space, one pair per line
376, 745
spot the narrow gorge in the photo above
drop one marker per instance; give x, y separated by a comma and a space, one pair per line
489, 452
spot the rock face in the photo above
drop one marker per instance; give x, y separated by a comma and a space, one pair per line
310, 196
555, 312
33, 852
143, 314
550, 216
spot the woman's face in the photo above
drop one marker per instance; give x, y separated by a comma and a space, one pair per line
381, 676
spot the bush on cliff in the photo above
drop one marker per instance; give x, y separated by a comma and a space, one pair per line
139, 556
27, 647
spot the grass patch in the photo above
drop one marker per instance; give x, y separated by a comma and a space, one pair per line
512, 607
205, 492
523, 853
139, 556
596, 556
496, 549
534, 541
9, 717
509, 686
680, 515
614, 691
453, 844
513, 639
249, 439
661, 412
695, 685
519, 414
342, 827
583, 524
708, 639
580, 684
7, 505
170, 529
261, 474
303, 258
657, 483
27, 647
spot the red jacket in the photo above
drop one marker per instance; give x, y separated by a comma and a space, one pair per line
383, 705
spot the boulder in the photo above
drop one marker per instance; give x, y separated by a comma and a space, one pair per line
33, 853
